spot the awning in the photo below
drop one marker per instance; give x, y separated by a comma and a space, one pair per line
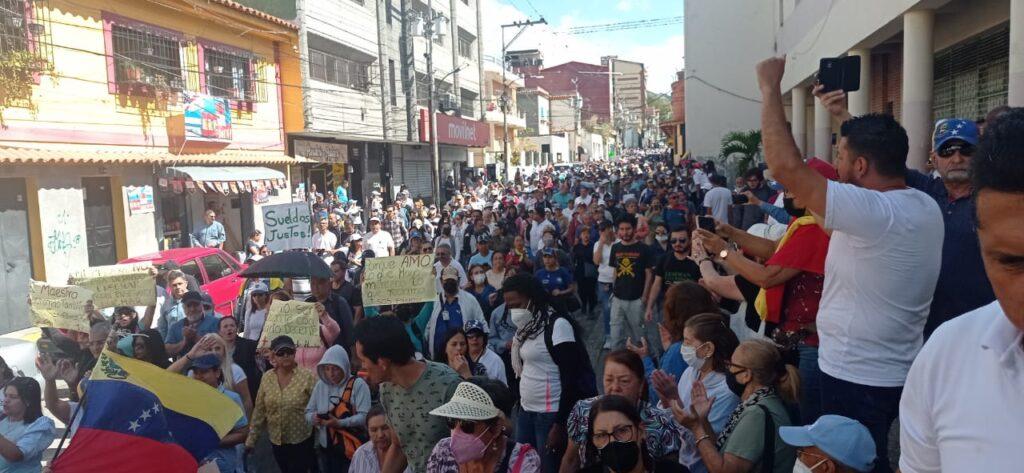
89, 155
223, 180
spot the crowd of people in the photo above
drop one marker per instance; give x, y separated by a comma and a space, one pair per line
777, 326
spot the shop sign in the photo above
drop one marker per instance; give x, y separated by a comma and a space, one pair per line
287, 226
321, 151
459, 131
207, 118
140, 200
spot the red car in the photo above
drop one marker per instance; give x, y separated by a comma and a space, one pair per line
216, 271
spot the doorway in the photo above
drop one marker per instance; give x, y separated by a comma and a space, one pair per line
15, 255
99, 221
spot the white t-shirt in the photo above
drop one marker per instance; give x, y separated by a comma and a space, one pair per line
605, 272
254, 324
494, 366
718, 199
324, 241
961, 408
584, 200
880, 273
700, 178
537, 234
378, 242
540, 388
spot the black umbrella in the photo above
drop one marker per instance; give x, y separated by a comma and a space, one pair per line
289, 264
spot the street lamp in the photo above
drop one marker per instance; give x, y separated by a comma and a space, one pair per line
504, 86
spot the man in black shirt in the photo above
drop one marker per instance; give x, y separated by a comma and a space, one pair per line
674, 267
337, 307
341, 287
634, 268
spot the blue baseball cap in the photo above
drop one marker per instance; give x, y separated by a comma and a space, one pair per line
206, 362
473, 326
845, 440
954, 129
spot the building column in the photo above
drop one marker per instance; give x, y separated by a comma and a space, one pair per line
822, 132
798, 125
1015, 95
918, 81
859, 102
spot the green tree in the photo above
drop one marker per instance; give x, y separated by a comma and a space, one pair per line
741, 149
662, 103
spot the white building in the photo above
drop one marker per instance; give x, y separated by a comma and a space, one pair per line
921, 61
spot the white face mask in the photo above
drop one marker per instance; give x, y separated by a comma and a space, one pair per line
690, 356
479, 278
661, 238
520, 317
800, 467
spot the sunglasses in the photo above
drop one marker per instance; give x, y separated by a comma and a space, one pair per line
681, 241
965, 150
285, 352
467, 426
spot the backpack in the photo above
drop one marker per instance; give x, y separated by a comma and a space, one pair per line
588, 380
349, 439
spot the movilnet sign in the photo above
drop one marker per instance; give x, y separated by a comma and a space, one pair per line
452, 130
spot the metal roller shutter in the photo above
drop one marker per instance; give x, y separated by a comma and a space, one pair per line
417, 178
971, 77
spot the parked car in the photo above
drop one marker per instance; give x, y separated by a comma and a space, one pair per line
216, 271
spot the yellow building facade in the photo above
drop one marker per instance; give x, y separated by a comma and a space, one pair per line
124, 120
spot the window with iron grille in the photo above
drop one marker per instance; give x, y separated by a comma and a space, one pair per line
229, 75
972, 77
13, 33
338, 70
142, 56
468, 107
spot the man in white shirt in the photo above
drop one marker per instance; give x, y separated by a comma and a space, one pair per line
537, 226
379, 240
443, 253
324, 240
718, 199
585, 198
883, 259
963, 404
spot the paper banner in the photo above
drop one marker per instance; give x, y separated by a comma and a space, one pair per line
177, 186
295, 319
287, 226
162, 182
399, 280
117, 285
233, 187
59, 306
201, 186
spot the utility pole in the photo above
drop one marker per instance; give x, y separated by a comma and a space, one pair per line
504, 87
433, 25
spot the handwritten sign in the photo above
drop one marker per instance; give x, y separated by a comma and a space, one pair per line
399, 280
59, 306
295, 319
117, 285
287, 226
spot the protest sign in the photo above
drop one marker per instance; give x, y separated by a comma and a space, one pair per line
117, 285
399, 280
295, 319
287, 226
59, 306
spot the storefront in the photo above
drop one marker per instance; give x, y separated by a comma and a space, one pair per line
236, 194
459, 140
328, 168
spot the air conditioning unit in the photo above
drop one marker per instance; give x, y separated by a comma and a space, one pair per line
447, 103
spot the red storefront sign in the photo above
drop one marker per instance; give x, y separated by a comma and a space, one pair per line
454, 130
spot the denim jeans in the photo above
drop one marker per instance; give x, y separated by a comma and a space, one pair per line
533, 428
875, 407
604, 295
810, 384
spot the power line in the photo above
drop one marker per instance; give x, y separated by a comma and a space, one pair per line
626, 25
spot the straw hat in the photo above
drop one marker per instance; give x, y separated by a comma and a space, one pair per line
470, 402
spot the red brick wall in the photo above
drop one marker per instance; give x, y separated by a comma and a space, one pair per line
887, 81
679, 101
594, 88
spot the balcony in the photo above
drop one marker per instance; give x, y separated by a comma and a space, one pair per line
492, 114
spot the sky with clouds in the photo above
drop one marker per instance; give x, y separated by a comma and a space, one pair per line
659, 48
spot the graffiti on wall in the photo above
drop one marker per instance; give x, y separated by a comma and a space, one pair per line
63, 238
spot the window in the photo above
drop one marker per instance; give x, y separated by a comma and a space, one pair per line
191, 267
391, 75
146, 56
229, 75
465, 47
13, 22
972, 77
338, 70
215, 267
468, 106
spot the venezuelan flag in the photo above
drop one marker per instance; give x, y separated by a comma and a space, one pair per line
138, 417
